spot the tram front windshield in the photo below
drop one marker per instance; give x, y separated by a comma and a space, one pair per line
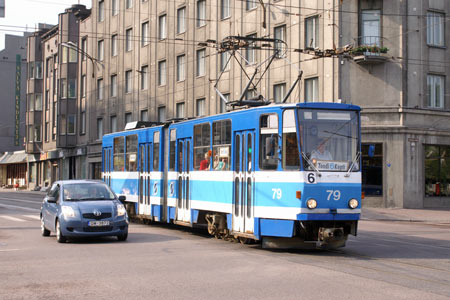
329, 140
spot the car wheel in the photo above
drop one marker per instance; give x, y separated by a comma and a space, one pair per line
44, 231
59, 236
122, 237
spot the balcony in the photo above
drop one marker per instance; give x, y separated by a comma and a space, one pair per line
370, 51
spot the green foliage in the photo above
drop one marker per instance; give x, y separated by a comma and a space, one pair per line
372, 49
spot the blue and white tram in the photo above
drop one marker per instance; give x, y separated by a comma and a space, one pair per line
283, 174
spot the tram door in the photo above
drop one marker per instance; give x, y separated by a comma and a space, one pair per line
145, 152
183, 167
107, 167
243, 219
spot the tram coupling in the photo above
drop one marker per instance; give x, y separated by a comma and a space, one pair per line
331, 237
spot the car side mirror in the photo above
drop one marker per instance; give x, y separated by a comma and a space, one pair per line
122, 199
51, 199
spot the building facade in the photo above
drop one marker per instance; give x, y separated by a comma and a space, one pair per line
13, 81
141, 60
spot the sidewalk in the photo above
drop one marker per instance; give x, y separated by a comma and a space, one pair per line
441, 215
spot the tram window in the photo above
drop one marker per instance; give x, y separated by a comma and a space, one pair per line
268, 153
202, 153
131, 159
156, 151
290, 156
173, 136
119, 152
221, 145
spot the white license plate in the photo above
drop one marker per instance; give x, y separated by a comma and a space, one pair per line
98, 223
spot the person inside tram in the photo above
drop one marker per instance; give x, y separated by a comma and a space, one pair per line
223, 164
216, 163
204, 164
321, 153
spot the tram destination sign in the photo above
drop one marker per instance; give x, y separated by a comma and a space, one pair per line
323, 165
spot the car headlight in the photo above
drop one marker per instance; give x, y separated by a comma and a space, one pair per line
353, 203
68, 211
121, 210
311, 203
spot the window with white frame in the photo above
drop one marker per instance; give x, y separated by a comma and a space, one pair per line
436, 90
279, 91
250, 51
128, 39
83, 122
162, 34
101, 10
250, 4
224, 9
83, 48
73, 57
62, 124
38, 102
312, 32
83, 86
180, 110
100, 50
113, 91
201, 13
100, 89
113, 122
162, 72
71, 119
279, 33
128, 117
371, 27
312, 89
144, 77
63, 88
37, 133
99, 128
181, 20
161, 114
181, 67
72, 88
201, 62
200, 107
114, 45
224, 63
145, 34
223, 105
435, 29
128, 3
114, 7
144, 115
128, 81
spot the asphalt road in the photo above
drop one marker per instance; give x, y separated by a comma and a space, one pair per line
387, 260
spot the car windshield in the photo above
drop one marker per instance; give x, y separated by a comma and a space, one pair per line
87, 192
329, 140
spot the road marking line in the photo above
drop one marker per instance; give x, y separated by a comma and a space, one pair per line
35, 217
12, 218
20, 200
19, 207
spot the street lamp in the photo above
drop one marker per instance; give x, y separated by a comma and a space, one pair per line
73, 46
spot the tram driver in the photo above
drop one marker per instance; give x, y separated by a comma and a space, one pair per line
321, 153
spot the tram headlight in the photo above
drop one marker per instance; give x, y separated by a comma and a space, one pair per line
353, 203
311, 203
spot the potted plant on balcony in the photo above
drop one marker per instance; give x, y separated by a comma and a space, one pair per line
369, 50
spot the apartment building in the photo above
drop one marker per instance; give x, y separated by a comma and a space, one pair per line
143, 60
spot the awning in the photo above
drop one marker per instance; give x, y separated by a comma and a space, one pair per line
17, 157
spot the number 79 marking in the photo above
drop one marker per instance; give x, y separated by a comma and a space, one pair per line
335, 194
277, 193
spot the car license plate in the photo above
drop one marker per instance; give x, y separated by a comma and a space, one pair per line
98, 223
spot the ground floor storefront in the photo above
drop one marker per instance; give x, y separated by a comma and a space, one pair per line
406, 168
13, 170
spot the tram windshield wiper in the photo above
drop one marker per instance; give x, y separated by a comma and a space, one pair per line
311, 163
353, 164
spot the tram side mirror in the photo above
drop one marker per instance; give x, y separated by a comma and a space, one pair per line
371, 151
122, 199
51, 199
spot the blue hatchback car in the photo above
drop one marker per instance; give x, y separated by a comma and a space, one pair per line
83, 208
